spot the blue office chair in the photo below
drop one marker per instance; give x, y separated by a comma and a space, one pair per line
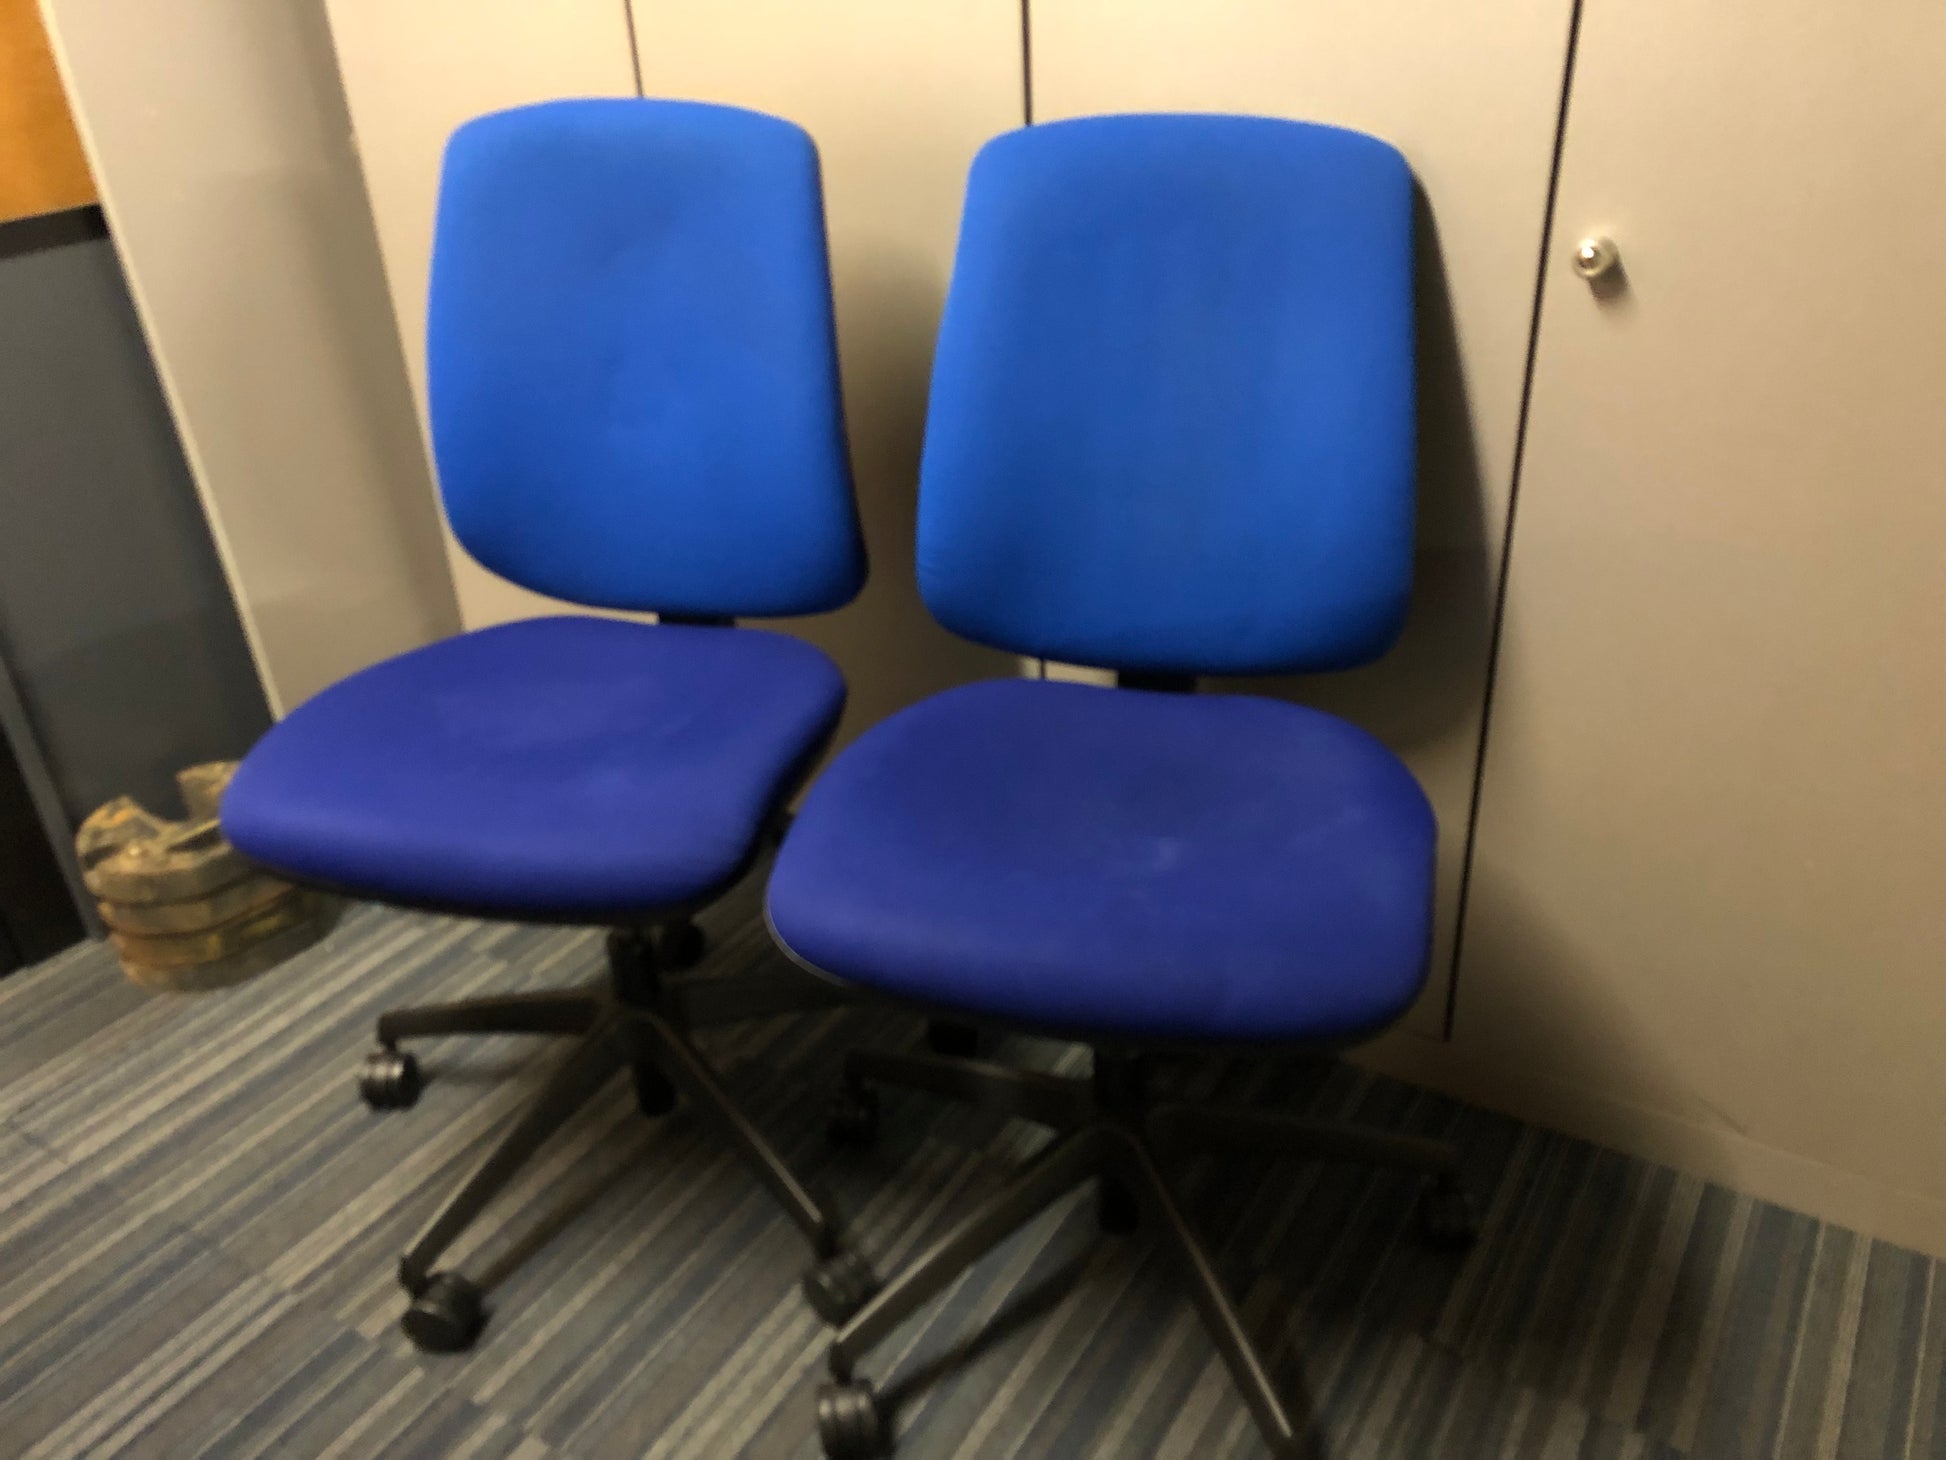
1172, 433
635, 405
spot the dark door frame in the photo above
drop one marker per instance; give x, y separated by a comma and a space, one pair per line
44, 906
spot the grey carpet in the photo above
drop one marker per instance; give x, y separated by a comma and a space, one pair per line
198, 1225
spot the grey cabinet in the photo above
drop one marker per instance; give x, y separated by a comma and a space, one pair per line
1708, 902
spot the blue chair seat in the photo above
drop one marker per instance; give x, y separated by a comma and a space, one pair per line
561, 766
1116, 862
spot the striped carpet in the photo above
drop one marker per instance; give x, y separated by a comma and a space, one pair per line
199, 1220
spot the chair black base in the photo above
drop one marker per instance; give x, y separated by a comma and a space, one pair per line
1109, 1129
636, 1019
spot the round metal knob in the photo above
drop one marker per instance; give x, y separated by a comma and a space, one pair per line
1596, 258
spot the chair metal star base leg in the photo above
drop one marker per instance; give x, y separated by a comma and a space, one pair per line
1046, 1099
1044, 1181
552, 1011
686, 1068
1220, 1317
1232, 1127
1110, 1131
390, 1078
576, 1080
638, 1021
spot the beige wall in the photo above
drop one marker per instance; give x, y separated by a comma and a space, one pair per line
217, 133
1708, 911
1470, 92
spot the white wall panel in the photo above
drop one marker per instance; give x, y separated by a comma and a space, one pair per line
217, 133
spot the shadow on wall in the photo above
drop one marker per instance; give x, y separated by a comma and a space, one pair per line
1537, 1025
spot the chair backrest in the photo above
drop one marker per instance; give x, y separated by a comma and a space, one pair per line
631, 361
1172, 423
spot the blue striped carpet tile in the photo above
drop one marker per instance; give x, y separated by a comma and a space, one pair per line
122, 1335
204, 1163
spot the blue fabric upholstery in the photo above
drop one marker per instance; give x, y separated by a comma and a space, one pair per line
631, 360
1117, 862
1172, 421
558, 765
1171, 429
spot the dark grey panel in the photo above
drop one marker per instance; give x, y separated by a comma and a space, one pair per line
37, 916
114, 613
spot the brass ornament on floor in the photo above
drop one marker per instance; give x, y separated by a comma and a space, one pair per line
185, 911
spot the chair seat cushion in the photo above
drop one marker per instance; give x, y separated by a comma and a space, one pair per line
554, 766
1118, 862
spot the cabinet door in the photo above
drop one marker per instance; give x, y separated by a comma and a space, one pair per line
1471, 92
412, 73
899, 96
1710, 872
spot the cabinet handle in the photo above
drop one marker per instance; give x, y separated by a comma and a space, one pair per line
1596, 258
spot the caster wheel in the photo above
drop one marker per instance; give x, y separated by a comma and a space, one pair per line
849, 1424
958, 1041
1445, 1216
654, 1095
681, 946
447, 1315
839, 1286
853, 1120
389, 1079
1115, 1207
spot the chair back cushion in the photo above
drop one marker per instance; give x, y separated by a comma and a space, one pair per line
1172, 422
631, 362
